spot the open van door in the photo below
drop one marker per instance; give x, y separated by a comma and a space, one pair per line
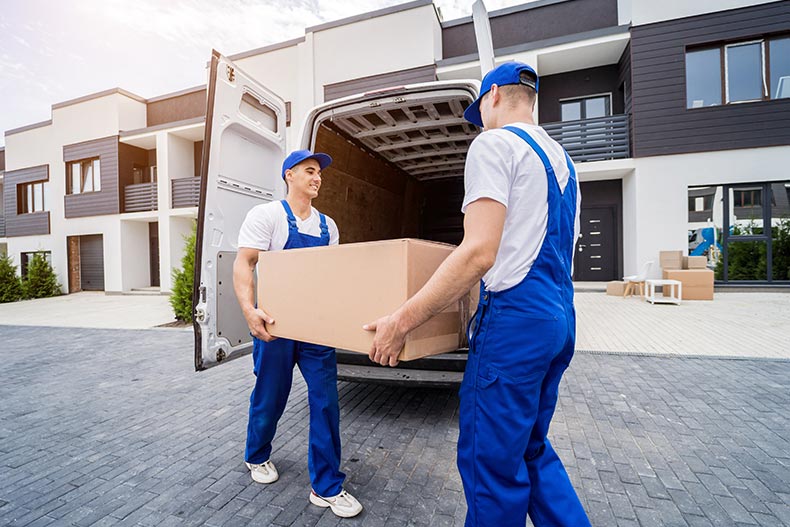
243, 150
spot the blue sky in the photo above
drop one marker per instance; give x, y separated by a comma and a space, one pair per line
55, 50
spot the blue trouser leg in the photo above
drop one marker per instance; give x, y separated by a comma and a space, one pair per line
319, 369
273, 364
553, 500
503, 412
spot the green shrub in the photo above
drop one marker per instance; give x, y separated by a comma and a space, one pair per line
747, 260
41, 280
183, 281
10, 284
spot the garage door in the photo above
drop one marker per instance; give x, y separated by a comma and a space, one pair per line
92, 263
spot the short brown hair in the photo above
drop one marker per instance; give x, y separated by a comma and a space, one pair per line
517, 93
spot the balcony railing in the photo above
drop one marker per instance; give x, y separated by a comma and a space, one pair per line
139, 197
185, 192
593, 139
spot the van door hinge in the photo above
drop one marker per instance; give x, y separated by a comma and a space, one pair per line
231, 73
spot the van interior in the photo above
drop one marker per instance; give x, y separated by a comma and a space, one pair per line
398, 165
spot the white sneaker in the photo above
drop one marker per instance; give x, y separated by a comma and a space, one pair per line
263, 472
344, 504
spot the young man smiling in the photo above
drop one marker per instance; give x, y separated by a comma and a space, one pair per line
290, 224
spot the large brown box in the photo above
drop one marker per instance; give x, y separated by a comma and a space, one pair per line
695, 262
325, 295
615, 288
697, 283
671, 259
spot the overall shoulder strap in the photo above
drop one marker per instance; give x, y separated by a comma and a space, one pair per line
535, 146
290, 214
324, 226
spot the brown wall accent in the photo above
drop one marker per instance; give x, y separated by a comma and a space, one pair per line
535, 23
375, 82
24, 224
198, 157
107, 200
661, 122
364, 195
579, 83
128, 157
2, 160
178, 108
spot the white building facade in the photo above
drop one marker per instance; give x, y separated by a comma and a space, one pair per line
677, 115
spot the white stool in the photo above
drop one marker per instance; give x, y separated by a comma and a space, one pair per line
675, 288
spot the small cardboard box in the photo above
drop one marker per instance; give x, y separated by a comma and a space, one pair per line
324, 295
697, 283
695, 262
615, 288
671, 259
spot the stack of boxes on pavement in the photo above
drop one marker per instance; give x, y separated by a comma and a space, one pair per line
691, 271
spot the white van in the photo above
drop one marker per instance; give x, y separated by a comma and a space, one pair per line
397, 172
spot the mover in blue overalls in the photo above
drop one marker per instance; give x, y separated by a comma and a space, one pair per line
521, 209
290, 224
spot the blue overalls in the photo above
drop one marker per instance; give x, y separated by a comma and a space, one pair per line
273, 367
521, 342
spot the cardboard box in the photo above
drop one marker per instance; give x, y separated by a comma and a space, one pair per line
615, 288
695, 262
697, 283
325, 295
671, 259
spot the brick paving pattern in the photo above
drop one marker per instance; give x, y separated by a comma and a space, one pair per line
103, 427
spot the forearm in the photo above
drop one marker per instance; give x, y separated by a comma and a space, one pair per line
244, 284
453, 279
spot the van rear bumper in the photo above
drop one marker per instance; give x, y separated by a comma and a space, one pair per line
439, 371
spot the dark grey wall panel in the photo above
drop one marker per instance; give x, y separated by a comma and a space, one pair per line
661, 122
2, 159
580, 83
106, 201
375, 82
532, 23
24, 224
92, 262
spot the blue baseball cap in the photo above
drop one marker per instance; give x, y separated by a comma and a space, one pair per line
504, 74
297, 156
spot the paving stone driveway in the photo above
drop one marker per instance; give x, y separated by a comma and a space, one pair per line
103, 427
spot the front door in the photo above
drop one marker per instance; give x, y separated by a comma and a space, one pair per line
596, 253
243, 150
153, 252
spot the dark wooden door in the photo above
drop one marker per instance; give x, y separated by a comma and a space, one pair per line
596, 249
75, 284
92, 262
153, 252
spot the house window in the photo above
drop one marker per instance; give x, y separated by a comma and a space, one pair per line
747, 197
754, 70
83, 176
31, 197
779, 66
27, 257
586, 108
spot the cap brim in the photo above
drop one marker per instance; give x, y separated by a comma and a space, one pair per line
472, 113
324, 160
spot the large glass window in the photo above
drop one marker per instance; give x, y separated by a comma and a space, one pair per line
84, 176
703, 78
31, 197
744, 230
755, 70
779, 66
27, 257
745, 76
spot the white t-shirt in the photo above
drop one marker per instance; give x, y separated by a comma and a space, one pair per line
266, 227
503, 167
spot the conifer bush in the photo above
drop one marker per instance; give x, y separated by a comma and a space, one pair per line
10, 284
183, 281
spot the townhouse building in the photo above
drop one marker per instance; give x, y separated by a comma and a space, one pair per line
677, 115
